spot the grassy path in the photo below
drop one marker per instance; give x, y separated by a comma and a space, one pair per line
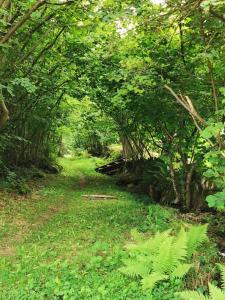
56, 245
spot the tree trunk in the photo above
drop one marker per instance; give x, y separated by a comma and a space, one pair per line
4, 116
188, 187
127, 148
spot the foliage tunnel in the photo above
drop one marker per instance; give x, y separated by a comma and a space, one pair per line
150, 73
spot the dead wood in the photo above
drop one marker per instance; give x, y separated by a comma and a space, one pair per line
99, 197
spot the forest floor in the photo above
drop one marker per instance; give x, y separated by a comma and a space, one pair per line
56, 244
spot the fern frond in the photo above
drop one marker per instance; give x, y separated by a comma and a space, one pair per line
148, 246
141, 247
222, 271
171, 252
163, 256
179, 248
216, 293
134, 268
155, 242
195, 237
191, 295
146, 261
162, 262
181, 270
149, 281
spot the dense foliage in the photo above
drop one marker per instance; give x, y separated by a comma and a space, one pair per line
155, 71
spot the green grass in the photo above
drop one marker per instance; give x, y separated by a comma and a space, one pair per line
55, 244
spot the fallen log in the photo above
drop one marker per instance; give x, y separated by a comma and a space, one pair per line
99, 197
112, 168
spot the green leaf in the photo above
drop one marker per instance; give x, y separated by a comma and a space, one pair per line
222, 90
217, 200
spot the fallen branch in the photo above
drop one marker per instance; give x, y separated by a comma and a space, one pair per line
99, 197
186, 102
61, 2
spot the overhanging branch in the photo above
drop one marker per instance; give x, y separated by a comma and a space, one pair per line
186, 102
21, 21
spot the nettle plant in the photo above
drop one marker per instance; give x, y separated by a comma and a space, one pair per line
214, 160
215, 293
163, 256
215, 163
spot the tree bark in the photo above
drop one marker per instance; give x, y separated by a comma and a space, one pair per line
173, 179
188, 187
61, 2
4, 116
186, 102
1, 3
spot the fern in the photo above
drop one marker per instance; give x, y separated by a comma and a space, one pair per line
195, 237
214, 292
191, 295
162, 256
180, 246
222, 270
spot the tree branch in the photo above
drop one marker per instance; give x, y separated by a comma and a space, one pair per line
186, 102
49, 46
1, 3
215, 14
23, 19
38, 26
